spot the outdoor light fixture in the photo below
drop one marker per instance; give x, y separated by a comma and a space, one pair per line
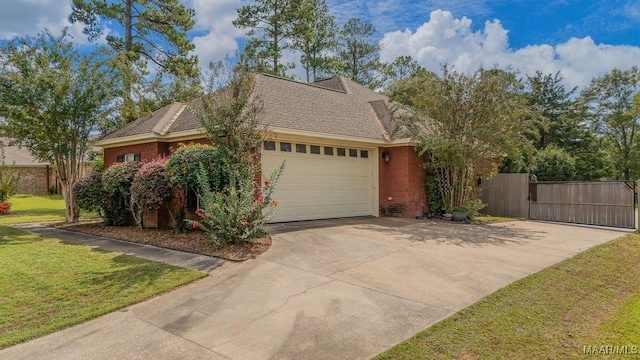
386, 156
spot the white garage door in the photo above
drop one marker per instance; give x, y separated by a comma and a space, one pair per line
320, 182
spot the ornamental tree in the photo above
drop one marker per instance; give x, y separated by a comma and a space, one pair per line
52, 97
464, 125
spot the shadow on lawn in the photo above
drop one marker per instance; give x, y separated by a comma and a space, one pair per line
126, 272
11, 236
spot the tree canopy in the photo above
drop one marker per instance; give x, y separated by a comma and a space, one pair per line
151, 32
464, 125
52, 98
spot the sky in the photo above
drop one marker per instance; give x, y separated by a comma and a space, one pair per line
580, 38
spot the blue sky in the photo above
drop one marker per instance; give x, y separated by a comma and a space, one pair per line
581, 39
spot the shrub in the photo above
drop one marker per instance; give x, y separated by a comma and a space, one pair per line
236, 214
8, 181
116, 183
5, 208
89, 194
184, 164
554, 164
150, 188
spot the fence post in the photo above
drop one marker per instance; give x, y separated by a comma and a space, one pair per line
637, 189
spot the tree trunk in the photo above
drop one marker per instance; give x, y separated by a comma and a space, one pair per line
71, 208
128, 113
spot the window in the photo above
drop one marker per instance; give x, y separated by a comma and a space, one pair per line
341, 152
192, 200
286, 147
315, 149
364, 154
270, 145
128, 157
328, 150
353, 153
301, 148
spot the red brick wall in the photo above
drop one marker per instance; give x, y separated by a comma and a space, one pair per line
148, 152
403, 180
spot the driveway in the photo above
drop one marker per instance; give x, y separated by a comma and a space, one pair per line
345, 289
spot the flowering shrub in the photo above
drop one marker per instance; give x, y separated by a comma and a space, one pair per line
235, 214
184, 164
5, 208
150, 188
89, 194
116, 183
8, 180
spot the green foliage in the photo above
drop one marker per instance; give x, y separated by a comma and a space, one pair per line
237, 214
554, 164
150, 31
52, 97
150, 188
314, 36
116, 183
609, 101
89, 193
8, 179
464, 124
269, 24
359, 54
184, 164
96, 160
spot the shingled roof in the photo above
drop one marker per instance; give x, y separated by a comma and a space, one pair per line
334, 106
18, 156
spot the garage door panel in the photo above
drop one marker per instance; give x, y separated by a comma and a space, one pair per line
318, 186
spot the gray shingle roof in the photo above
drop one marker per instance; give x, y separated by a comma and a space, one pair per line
14, 155
333, 106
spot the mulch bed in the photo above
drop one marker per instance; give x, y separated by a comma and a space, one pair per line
192, 241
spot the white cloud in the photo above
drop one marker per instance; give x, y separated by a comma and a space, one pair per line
30, 17
448, 40
217, 34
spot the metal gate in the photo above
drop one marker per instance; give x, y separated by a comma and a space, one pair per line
605, 203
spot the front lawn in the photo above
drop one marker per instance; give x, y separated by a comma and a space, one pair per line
30, 208
591, 301
46, 285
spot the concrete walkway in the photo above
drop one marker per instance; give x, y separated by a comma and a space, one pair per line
329, 289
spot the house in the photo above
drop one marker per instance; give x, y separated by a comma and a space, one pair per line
342, 157
36, 177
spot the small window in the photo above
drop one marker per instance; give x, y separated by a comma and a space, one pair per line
315, 149
328, 150
270, 145
128, 157
364, 154
301, 148
192, 200
286, 147
342, 152
353, 153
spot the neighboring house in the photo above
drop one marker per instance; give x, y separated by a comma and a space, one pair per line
342, 158
36, 177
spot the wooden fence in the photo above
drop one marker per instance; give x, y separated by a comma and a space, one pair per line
506, 195
606, 203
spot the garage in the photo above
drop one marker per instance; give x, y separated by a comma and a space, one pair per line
321, 181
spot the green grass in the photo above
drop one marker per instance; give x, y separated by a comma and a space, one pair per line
590, 299
29, 208
47, 285
486, 219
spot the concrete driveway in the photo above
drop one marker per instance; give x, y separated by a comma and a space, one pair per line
345, 289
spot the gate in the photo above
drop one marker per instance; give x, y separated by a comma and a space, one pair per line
606, 203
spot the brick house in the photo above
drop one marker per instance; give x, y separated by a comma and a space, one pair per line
36, 177
342, 156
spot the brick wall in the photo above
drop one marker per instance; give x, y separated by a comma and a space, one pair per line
33, 180
148, 152
401, 182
